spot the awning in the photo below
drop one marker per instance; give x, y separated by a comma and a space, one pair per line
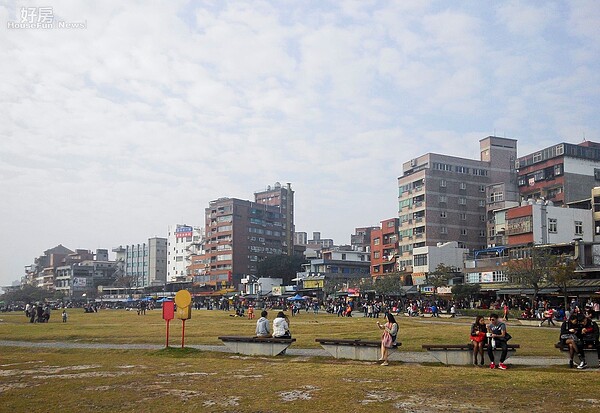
527, 291
498, 250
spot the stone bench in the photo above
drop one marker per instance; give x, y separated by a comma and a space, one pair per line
355, 349
462, 354
257, 346
591, 354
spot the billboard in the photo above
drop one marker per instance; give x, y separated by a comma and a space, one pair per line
79, 282
184, 232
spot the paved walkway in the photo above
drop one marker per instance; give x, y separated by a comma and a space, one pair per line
404, 356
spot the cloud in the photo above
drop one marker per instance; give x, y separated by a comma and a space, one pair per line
112, 133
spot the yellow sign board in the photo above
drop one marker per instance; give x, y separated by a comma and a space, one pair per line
183, 299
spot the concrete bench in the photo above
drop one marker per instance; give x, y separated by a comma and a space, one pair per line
591, 354
462, 354
355, 349
257, 346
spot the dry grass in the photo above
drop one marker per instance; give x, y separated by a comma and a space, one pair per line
119, 326
174, 380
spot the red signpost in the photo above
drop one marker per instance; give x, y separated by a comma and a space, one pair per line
168, 308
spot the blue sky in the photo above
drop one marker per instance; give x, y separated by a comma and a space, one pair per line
111, 133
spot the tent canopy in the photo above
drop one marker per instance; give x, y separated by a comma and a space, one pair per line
297, 297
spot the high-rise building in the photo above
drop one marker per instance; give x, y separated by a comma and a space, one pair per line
384, 247
145, 264
282, 197
443, 198
561, 173
240, 233
181, 240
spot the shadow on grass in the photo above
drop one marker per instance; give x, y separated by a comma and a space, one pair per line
178, 352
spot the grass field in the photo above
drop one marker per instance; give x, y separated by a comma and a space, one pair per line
188, 380
119, 326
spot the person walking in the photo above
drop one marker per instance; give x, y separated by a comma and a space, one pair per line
497, 336
477, 337
388, 337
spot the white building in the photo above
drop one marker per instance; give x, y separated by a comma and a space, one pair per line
426, 259
540, 222
182, 241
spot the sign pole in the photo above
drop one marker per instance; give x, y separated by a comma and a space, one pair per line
182, 333
167, 344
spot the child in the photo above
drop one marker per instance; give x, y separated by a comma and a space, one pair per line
64, 316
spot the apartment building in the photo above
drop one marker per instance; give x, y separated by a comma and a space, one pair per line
240, 233
144, 264
561, 173
445, 198
384, 247
361, 239
282, 197
183, 241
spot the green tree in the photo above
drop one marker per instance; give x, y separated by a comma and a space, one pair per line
440, 277
27, 294
390, 284
281, 266
465, 291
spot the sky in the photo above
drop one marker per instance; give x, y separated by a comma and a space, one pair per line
112, 132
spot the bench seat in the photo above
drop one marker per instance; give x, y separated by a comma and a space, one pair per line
257, 346
591, 354
355, 349
462, 354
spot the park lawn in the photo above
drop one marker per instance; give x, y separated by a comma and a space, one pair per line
126, 327
188, 380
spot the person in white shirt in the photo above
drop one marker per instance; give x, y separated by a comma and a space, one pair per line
281, 326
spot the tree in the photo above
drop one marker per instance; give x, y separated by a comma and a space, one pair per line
281, 266
465, 291
27, 294
390, 284
561, 275
440, 277
532, 272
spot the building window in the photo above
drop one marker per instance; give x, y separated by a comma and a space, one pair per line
463, 186
391, 224
463, 216
462, 169
376, 254
481, 188
420, 259
578, 228
376, 241
482, 203
482, 218
462, 201
443, 198
443, 183
443, 214
443, 230
537, 157
496, 197
482, 233
463, 231
552, 227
